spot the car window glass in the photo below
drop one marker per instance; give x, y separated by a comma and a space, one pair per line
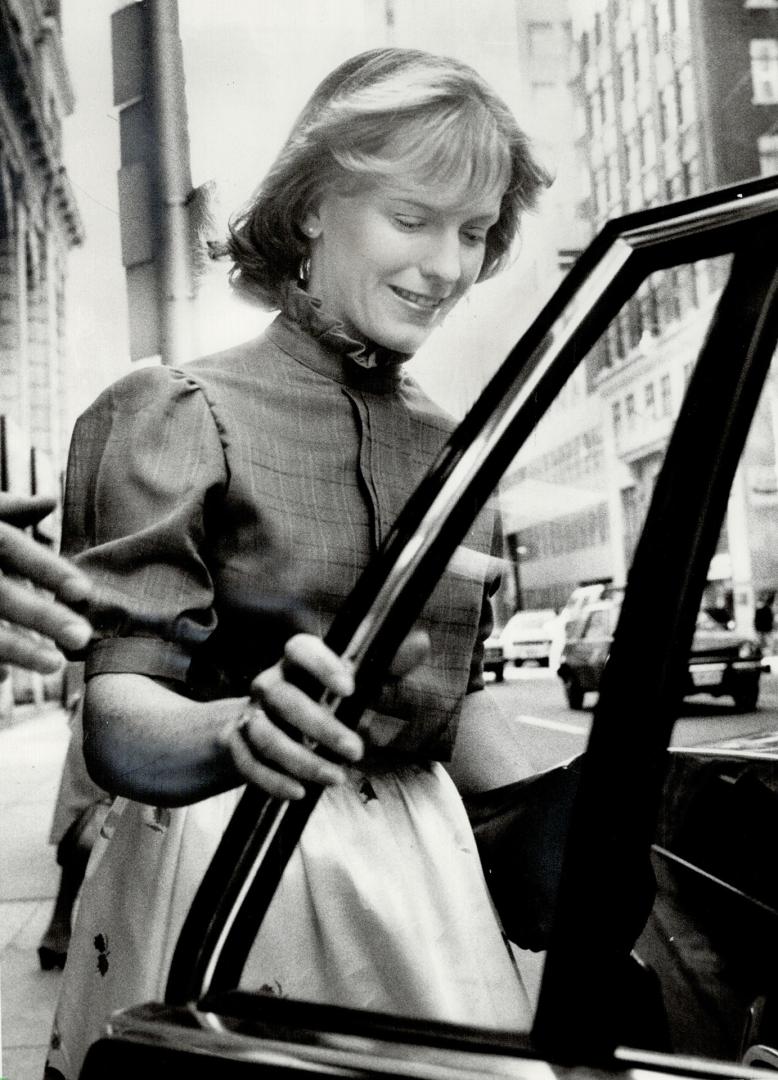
573, 504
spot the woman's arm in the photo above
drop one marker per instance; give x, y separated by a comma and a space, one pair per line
487, 753
144, 740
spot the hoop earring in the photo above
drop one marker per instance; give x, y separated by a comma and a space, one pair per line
304, 270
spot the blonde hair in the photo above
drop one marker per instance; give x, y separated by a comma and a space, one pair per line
383, 112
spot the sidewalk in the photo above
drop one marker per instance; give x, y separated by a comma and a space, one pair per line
32, 750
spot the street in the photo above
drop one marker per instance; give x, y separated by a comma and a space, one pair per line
536, 720
539, 720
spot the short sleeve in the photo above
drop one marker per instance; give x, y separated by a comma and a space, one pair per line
146, 469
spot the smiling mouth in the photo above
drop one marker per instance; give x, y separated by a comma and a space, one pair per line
419, 300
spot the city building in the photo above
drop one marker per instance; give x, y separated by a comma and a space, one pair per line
674, 97
39, 224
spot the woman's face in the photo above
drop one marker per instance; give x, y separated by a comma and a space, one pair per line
393, 259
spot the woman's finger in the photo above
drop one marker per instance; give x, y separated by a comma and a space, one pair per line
34, 611
290, 706
22, 649
269, 757
310, 654
25, 510
23, 556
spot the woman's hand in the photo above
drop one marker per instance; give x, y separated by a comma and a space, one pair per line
23, 609
263, 752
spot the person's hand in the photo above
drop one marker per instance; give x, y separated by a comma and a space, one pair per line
23, 609
264, 754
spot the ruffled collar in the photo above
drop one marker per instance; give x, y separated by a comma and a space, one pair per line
307, 312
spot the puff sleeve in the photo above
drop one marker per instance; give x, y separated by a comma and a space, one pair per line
146, 475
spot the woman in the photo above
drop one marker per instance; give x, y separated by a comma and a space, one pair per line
236, 500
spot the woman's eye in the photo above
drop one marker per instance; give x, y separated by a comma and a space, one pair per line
409, 224
474, 238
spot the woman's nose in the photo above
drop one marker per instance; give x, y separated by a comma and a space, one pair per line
443, 259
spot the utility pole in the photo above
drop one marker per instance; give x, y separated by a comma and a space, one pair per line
155, 184
174, 182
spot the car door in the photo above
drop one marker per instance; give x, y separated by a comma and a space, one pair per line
580, 1011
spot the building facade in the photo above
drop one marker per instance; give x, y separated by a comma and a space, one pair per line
674, 97
39, 223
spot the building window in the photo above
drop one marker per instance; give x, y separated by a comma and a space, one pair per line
635, 52
690, 176
647, 142
584, 48
630, 156
764, 70
588, 119
616, 413
629, 404
666, 396
655, 25
678, 102
768, 154
650, 399
686, 98
635, 322
617, 338
650, 308
667, 111
541, 40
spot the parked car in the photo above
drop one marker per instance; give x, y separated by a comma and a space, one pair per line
721, 660
527, 636
571, 615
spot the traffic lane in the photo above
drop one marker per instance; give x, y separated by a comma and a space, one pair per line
538, 720
536, 717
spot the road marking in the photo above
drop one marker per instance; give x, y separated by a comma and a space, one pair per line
552, 725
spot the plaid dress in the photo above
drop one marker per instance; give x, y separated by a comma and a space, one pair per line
217, 507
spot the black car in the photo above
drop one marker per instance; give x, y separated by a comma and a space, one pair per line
615, 999
712, 931
721, 661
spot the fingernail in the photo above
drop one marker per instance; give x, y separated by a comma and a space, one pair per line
74, 589
75, 635
350, 746
344, 683
332, 776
